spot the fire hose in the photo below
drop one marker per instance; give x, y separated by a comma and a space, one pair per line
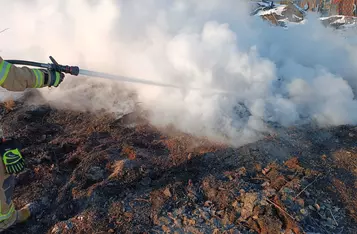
75, 71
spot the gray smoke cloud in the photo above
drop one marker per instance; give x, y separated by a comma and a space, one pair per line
306, 74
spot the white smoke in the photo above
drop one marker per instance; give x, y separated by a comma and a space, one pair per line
295, 76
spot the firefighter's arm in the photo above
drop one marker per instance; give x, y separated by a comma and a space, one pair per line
15, 78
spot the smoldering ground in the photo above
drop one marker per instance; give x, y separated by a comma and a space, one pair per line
302, 75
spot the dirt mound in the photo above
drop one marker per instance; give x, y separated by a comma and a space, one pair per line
97, 174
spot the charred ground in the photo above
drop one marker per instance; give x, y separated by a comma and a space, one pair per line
95, 173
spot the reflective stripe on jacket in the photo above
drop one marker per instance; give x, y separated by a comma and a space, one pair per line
15, 78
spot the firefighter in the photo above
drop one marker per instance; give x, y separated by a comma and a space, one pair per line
15, 78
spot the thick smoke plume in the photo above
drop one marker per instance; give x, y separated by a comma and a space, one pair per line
306, 74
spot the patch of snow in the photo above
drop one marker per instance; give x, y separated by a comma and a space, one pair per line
331, 17
340, 21
278, 10
352, 25
297, 17
324, 18
289, 24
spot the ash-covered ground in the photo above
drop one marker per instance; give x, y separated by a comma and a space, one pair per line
95, 173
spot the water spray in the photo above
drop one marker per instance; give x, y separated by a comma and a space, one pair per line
75, 71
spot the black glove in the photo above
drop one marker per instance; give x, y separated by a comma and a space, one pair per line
11, 156
52, 78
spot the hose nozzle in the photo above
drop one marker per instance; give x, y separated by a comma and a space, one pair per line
73, 70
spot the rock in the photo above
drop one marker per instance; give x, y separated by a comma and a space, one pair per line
95, 173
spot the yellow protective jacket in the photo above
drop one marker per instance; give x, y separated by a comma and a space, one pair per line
15, 78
